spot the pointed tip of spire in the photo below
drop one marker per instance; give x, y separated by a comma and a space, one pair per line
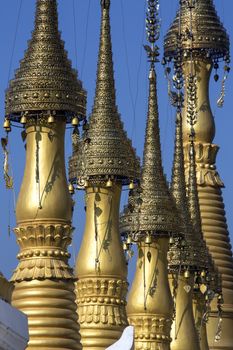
105, 4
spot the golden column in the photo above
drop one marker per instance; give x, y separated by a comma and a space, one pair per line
188, 259
185, 257
148, 220
43, 96
210, 43
103, 161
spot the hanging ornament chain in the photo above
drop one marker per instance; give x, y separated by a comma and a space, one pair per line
7, 177
38, 139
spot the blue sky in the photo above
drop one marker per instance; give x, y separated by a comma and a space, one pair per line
131, 84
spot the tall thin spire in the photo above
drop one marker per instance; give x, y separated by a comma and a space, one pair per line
154, 218
157, 211
103, 163
109, 153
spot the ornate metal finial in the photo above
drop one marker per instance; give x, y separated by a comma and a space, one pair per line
105, 4
106, 153
153, 30
45, 80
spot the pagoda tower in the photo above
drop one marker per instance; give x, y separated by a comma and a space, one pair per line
206, 42
148, 220
102, 162
190, 265
44, 95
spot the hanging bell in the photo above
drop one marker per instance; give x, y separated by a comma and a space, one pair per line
171, 241
203, 273
187, 274
109, 183
85, 184
23, 119
125, 246
71, 189
148, 240
75, 121
7, 125
131, 185
51, 119
129, 240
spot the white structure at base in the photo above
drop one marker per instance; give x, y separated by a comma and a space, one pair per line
13, 328
126, 342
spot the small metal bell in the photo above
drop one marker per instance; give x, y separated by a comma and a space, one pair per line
23, 120
7, 125
129, 240
71, 189
51, 119
75, 121
131, 185
203, 273
171, 241
109, 183
148, 240
125, 246
187, 274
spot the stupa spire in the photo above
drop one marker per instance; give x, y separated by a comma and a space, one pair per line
207, 43
44, 95
103, 162
149, 220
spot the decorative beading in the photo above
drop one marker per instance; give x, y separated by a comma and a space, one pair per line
45, 79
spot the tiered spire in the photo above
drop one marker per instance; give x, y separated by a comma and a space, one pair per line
148, 220
157, 211
109, 153
102, 162
189, 257
45, 80
210, 37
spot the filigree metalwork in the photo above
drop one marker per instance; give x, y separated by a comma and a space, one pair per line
210, 39
105, 150
45, 79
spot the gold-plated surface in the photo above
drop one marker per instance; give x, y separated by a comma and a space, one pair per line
191, 254
43, 279
184, 333
106, 150
205, 126
208, 32
102, 271
45, 79
212, 211
157, 212
199, 310
44, 155
51, 310
150, 305
43, 96
149, 218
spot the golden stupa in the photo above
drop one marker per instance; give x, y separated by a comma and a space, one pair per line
181, 297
